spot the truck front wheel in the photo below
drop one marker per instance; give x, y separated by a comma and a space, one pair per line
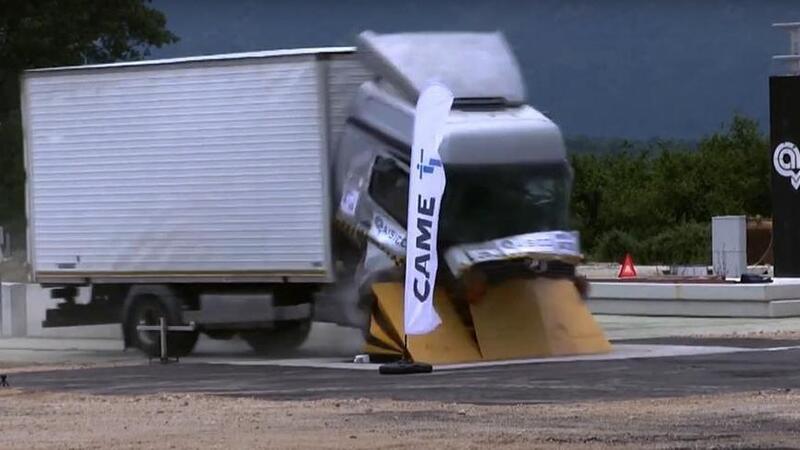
148, 308
285, 336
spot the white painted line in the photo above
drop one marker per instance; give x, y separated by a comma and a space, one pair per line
620, 352
774, 349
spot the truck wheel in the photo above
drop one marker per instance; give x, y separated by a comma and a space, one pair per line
286, 336
149, 308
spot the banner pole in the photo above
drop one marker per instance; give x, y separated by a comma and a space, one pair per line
406, 364
426, 186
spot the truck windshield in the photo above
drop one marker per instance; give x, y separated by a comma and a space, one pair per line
491, 202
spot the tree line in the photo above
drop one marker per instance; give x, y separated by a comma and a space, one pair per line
655, 199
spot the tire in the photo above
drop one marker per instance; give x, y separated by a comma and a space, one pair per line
284, 337
149, 307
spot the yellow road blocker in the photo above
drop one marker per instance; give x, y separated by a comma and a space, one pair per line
521, 318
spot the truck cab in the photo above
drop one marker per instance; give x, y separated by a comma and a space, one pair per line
505, 162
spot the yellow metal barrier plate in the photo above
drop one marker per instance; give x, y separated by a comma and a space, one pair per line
539, 317
524, 318
451, 342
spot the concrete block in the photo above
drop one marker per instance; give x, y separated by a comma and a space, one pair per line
778, 299
689, 271
677, 308
633, 290
14, 310
784, 308
729, 292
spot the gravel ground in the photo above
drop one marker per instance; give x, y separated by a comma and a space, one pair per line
57, 420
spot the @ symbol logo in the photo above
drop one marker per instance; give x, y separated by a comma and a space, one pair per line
786, 160
423, 168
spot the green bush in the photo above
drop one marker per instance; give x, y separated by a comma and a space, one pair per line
656, 200
614, 244
688, 243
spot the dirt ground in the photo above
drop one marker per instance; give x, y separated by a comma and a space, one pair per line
33, 420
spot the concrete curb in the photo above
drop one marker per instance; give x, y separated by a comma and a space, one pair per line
778, 299
13, 310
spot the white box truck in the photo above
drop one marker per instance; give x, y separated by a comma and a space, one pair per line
207, 189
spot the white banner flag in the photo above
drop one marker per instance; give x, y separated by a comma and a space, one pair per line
425, 190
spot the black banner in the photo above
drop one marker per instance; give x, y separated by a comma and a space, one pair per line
784, 110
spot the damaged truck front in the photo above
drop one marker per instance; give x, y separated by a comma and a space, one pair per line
506, 203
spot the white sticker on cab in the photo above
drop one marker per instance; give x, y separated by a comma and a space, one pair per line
349, 203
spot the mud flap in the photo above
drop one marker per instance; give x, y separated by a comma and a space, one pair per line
524, 318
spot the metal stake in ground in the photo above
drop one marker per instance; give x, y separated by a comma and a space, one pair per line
162, 329
426, 186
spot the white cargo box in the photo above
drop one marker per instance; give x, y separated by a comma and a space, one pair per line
209, 169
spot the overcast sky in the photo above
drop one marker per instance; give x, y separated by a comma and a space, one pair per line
610, 68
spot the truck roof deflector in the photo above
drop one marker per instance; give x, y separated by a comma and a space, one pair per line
473, 66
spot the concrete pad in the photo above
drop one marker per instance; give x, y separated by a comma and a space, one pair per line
779, 289
778, 299
98, 345
54, 358
324, 340
621, 351
41, 351
619, 327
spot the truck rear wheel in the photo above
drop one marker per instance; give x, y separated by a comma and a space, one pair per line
149, 308
285, 336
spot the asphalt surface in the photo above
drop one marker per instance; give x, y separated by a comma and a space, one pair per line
561, 382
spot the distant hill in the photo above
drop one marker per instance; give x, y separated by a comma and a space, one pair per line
615, 68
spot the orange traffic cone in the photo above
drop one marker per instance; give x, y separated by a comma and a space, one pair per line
627, 270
